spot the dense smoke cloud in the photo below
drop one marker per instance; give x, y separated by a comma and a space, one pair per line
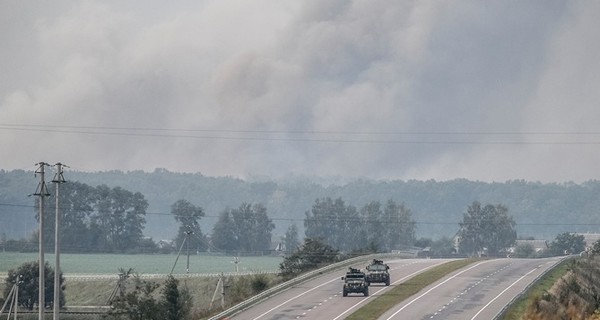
382, 89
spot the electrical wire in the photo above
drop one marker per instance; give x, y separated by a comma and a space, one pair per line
267, 135
342, 219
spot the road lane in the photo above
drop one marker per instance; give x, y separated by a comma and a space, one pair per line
475, 292
321, 297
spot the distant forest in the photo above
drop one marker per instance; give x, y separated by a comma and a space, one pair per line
540, 210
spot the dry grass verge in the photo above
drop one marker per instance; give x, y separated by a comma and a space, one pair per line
572, 293
518, 309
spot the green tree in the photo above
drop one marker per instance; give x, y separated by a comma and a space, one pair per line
27, 275
334, 222
98, 219
352, 234
76, 206
118, 220
398, 226
291, 239
138, 304
322, 221
567, 243
373, 224
177, 304
486, 228
143, 302
261, 227
314, 253
188, 216
247, 228
76, 201
343, 227
224, 235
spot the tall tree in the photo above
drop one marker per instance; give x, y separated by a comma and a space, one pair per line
346, 229
373, 225
118, 220
76, 206
68, 220
188, 216
98, 219
486, 228
247, 228
325, 221
350, 230
262, 228
224, 235
399, 227
291, 239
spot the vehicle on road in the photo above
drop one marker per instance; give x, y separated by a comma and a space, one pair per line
354, 282
377, 272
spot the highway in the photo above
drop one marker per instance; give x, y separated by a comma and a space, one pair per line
321, 297
478, 291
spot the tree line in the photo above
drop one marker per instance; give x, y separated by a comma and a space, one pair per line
380, 227
96, 219
570, 206
104, 219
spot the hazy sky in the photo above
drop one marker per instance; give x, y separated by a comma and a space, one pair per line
385, 89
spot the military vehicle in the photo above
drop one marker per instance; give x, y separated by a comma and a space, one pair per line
354, 282
377, 272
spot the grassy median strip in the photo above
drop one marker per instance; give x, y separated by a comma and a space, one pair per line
400, 292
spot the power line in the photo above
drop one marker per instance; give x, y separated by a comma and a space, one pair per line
176, 133
310, 131
417, 222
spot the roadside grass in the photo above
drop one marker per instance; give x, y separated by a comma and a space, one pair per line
84, 295
400, 292
88, 293
519, 307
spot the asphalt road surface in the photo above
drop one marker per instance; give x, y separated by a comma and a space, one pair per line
321, 297
478, 291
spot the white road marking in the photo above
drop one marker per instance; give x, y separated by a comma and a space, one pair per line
435, 287
501, 293
397, 281
295, 297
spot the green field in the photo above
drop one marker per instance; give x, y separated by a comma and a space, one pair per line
143, 264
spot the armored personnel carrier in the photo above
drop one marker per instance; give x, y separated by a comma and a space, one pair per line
377, 272
354, 282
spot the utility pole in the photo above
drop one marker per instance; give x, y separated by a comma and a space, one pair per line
13, 298
236, 261
187, 246
58, 179
221, 283
42, 192
185, 241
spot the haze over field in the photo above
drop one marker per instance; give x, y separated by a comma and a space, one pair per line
491, 91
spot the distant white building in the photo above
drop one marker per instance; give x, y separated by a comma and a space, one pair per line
166, 244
